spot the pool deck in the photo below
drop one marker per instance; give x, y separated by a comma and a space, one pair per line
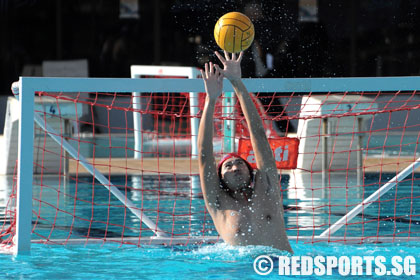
189, 166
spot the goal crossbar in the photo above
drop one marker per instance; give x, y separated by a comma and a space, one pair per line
196, 85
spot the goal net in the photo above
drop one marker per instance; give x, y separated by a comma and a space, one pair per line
337, 143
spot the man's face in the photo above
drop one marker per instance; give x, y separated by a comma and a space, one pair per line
235, 174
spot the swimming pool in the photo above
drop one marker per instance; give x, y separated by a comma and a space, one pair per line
217, 261
175, 201
308, 209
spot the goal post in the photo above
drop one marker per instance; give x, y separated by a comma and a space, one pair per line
25, 161
25, 170
153, 204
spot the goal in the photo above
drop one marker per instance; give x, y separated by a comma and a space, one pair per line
346, 149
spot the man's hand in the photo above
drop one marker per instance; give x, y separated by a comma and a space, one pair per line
213, 81
231, 66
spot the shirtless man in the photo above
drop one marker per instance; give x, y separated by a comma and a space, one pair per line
245, 204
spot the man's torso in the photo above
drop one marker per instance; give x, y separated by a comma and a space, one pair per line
259, 221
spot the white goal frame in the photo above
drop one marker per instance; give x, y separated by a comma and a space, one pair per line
29, 85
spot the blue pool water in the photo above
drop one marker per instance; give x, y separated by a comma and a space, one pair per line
176, 202
216, 261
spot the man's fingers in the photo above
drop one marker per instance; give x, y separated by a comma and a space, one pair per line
219, 71
233, 56
220, 57
241, 54
206, 67
226, 55
216, 69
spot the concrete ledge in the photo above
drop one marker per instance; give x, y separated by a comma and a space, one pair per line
188, 166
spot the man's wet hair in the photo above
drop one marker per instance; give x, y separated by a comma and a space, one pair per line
219, 170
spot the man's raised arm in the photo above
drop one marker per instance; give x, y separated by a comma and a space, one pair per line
213, 81
263, 153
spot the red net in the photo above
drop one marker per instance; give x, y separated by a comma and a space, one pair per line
348, 145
